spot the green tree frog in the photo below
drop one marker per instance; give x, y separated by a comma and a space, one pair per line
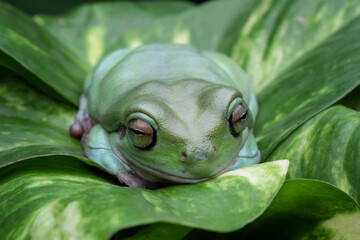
167, 113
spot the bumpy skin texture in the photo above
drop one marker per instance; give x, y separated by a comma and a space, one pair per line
185, 100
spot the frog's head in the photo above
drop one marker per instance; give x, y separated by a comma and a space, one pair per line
188, 131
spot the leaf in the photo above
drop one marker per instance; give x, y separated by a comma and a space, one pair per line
91, 30
278, 33
211, 26
305, 69
33, 125
63, 198
303, 209
313, 83
352, 100
327, 148
161, 231
307, 209
7, 64
39, 53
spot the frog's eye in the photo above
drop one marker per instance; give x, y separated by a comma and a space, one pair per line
141, 134
238, 119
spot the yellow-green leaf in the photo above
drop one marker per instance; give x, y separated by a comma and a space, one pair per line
91, 30
212, 26
40, 54
33, 125
63, 198
327, 147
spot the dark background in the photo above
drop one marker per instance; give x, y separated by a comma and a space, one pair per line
60, 6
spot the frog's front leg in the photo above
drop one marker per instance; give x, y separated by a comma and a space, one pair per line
83, 122
98, 149
248, 155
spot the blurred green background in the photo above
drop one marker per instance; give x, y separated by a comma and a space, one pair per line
61, 6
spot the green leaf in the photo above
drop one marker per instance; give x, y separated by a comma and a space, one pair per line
299, 68
303, 209
306, 209
9, 65
91, 30
63, 198
326, 148
33, 125
39, 53
352, 100
211, 26
303, 55
313, 83
278, 33
161, 231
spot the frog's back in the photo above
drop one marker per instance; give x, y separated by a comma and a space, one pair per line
125, 69
166, 63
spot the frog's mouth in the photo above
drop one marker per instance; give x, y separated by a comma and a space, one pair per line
166, 176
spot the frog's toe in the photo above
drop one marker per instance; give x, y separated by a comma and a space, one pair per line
133, 180
76, 130
130, 180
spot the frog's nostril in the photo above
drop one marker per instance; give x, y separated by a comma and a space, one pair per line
184, 155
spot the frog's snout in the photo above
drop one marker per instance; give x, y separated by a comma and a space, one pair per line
200, 162
193, 155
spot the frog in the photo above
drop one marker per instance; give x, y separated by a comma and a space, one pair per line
167, 114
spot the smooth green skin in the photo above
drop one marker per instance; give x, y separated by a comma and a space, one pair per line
187, 96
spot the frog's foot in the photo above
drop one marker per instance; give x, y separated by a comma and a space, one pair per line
130, 177
133, 180
76, 130
83, 122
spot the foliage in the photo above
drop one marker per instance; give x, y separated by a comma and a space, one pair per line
303, 56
